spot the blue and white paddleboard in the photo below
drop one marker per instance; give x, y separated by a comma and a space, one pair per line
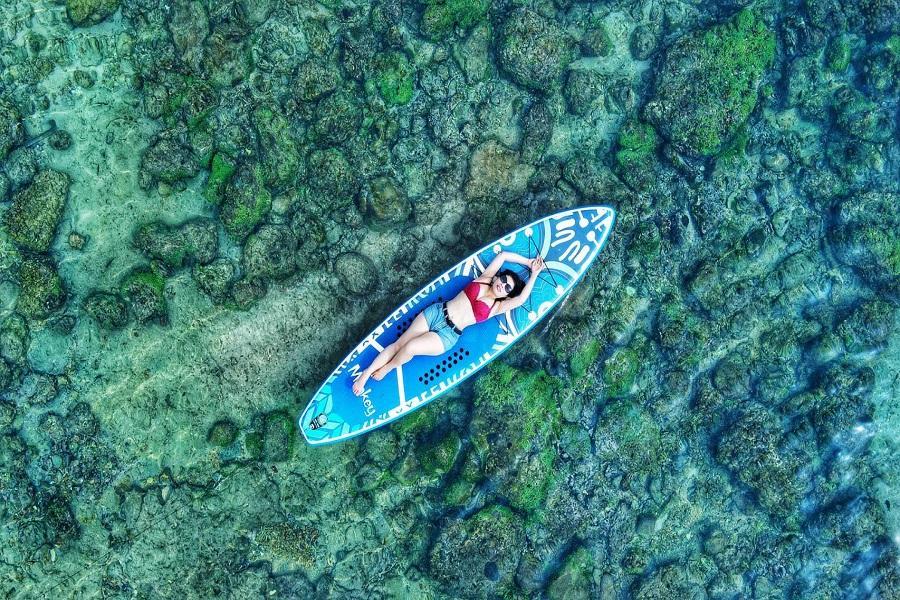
569, 241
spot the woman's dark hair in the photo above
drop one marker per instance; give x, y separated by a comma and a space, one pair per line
518, 284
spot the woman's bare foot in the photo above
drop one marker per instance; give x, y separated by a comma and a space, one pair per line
379, 374
361, 382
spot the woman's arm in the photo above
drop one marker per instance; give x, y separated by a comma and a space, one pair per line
498, 261
516, 258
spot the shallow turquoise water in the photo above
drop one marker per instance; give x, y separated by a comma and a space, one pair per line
712, 414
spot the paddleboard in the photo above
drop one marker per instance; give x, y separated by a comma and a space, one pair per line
569, 241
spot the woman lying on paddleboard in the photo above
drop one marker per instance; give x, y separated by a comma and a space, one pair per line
436, 329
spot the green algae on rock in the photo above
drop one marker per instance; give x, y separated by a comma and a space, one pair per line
36, 211
221, 170
394, 78
143, 290
574, 579
707, 86
246, 203
272, 437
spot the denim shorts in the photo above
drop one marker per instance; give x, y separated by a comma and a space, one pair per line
438, 323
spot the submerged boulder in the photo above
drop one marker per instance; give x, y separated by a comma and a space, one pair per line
35, 212
215, 279
143, 290
12, 132
84, 13
42, 289
109, 310
865, 236
176, 245
168, 160
269, 252
534, 51
707, 86
441, 17
495, 170
477, 557
247, 202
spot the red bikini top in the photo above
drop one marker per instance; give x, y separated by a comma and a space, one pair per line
481, 309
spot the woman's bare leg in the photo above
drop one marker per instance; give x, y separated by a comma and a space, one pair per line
382, 359
415, 329
429, 343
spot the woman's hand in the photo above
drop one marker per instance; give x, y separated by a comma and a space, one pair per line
537, 265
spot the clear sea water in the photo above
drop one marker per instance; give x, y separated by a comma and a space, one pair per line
673, 432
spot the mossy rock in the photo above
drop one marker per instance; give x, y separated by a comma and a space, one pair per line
459, 491
859, 117
387, 203
83, 13
528, 489
573, 582
330, 172
394, 78
596, 41
441, 17
269, 252
42, 289
35, 212
436, 456
12, 131
838, 53
418, 424
515, 411
222, 433
315, 79
143, 289
636, 146
865, 237
628, 437
707, 86
338, 117
108, 310
477, 557
273, 438
169, 160
246, 292
584, 358
620, 370
534, 51
753, 450
585, 90
221, 170
247, 202
176, 245
14, 339
215, 279
281, 155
